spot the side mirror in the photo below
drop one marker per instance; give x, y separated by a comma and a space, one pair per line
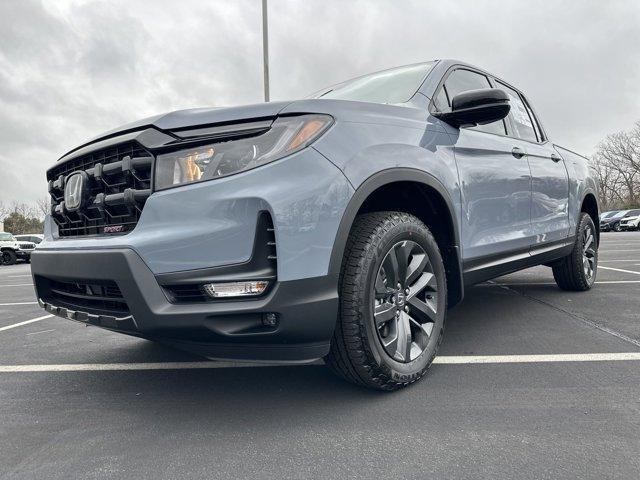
476, 107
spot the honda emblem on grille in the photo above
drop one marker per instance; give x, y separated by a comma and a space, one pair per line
75, 191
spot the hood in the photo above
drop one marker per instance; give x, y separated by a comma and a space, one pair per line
193, 117
351, 111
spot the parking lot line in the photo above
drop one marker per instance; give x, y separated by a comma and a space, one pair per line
524, 284
615, 250
609, 261
561, 357
18, 285
620, 270
442, 360
17, 303
26, 322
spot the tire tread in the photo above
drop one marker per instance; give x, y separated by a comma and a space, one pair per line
350, 356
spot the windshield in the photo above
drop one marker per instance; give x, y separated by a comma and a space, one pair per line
6, 237
607, 214
396, 85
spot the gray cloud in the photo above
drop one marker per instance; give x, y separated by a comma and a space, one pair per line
71, 69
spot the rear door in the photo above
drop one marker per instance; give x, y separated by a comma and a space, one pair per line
549, 177
495, 181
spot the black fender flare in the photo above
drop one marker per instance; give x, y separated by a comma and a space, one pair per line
590, 191
375, 181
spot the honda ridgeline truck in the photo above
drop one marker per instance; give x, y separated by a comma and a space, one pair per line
341, 226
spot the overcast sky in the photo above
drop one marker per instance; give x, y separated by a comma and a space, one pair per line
72, 69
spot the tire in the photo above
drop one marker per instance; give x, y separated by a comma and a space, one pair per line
577, 271
366, 354
9, 257
617, 228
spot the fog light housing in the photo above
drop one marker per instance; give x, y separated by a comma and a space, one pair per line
235, 289
270, 319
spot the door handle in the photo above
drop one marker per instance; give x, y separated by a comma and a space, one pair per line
518, 152
555, 157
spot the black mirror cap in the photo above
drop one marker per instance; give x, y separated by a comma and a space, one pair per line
477, 107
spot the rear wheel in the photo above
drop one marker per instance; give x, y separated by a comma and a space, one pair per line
393, 295
9, 257
577, 271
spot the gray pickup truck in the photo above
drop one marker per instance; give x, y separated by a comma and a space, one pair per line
341, 226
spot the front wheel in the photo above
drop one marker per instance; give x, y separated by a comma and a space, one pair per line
9, 257
617, 227
393, 301
577, 271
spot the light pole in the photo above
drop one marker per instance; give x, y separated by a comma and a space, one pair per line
265, 49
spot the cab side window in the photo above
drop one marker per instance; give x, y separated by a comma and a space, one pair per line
462, 80
521, 118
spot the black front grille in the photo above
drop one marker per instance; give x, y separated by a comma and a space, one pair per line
92, 297
27, 246
119, 183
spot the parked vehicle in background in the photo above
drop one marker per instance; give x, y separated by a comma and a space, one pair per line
612, 222
631, 220
607, 214
340, 226
30, 237
12, 250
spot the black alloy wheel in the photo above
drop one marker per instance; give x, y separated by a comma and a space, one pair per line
406, 301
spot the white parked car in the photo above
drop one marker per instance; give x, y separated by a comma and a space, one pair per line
11, 249
631, 221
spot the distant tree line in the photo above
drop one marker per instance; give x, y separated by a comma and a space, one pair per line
20, 218
616, 165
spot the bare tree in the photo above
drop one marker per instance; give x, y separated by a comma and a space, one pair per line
617, 167
43, 206
4, 210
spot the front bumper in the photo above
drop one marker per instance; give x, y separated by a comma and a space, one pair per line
23, 254
306, 309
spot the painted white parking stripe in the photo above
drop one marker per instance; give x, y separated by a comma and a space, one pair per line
84, 367
26, 322
620, 270
614, 250
562, 357
17, 303
523, 284
15, 276
18, 285
610, 261
442, 360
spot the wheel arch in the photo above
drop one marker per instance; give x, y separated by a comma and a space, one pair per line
405, 186
589, 205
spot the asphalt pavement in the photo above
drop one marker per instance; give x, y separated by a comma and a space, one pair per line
517, 392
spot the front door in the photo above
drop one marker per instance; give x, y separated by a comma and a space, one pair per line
495, 181
496, 195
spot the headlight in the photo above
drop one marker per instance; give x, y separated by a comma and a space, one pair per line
287, 135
